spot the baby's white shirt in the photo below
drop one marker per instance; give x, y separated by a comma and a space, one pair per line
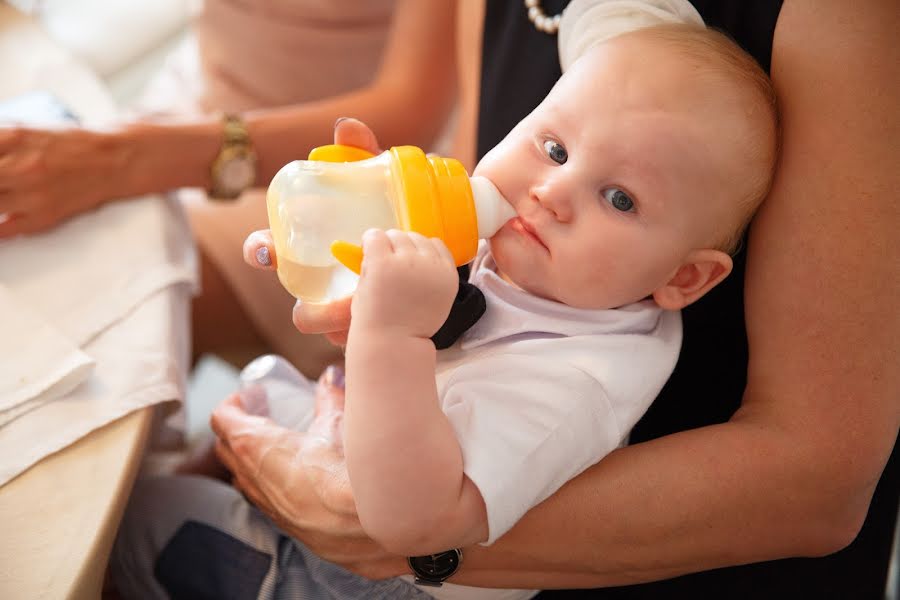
537, 391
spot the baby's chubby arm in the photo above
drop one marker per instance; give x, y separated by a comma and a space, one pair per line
403, 459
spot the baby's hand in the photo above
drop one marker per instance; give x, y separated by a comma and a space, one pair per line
407, 285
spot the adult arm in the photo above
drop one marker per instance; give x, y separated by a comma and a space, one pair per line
47, 176
792, 473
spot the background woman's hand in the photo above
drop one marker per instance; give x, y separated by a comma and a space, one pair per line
332, 319
48, 176
300, 479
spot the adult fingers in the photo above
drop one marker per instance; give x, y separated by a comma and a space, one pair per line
333, 317
230, 421
337, 338
10, 137
352, 132
13, 200
259, 250
330, 390
225, 455
25, 224
327, 426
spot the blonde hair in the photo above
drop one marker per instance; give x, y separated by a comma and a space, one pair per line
720, 56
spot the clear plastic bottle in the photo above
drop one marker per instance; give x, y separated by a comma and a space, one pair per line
319, 209
272, 387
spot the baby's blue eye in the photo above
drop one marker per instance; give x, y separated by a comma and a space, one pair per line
619, 199
556, 152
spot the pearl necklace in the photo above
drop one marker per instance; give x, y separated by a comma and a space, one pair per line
541, 21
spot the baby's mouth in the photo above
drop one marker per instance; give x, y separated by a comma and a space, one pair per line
523, 227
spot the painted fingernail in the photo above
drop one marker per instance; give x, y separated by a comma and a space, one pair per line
334, 376
339, 119
262, 256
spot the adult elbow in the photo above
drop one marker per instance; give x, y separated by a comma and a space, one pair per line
832, 521
834, 532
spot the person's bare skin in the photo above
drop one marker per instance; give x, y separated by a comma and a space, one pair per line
792, 473
47, 177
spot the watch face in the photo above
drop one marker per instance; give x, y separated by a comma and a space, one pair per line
237, 173
436, 566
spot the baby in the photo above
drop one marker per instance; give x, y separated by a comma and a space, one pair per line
632, 182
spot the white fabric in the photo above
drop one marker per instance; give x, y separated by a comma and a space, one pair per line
38, 361
69, 284
68, 289
110, 35
139, 362
538, 391
82, 294
585, 23
92, 270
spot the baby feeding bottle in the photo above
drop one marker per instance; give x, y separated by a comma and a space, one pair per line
319, 209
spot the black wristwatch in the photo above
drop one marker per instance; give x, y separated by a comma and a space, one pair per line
434, 569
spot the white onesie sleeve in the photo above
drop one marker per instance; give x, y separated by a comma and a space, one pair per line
526, 425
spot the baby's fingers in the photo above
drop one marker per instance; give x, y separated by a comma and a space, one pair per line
377, 244
421, 243
259, 250
442, 250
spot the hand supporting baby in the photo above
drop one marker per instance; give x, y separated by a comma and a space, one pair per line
299, 480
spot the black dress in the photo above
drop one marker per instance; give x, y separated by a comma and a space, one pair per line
519, 67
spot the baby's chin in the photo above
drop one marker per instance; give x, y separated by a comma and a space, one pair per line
507, 271
503, 266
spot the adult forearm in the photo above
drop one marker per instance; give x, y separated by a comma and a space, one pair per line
156, 156
161, 156
793, 472
396, 113
721, 495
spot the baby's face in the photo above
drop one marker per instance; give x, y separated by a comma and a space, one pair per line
616, 177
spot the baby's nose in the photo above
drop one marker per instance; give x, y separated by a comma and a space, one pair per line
554, 194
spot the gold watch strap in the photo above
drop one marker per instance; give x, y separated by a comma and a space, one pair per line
234, 129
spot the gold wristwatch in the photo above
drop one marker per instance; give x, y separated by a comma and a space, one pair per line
234, 168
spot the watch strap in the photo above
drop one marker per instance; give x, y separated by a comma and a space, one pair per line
234, 130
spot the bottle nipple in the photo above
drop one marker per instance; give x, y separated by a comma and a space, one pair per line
491, 208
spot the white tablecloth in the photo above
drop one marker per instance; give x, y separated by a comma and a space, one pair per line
93, 314
110, 288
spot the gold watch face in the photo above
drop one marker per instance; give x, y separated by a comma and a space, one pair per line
233, 172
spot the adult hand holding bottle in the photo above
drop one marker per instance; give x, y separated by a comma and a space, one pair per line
318, 507
331, 318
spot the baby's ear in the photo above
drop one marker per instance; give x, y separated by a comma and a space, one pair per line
701, 272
